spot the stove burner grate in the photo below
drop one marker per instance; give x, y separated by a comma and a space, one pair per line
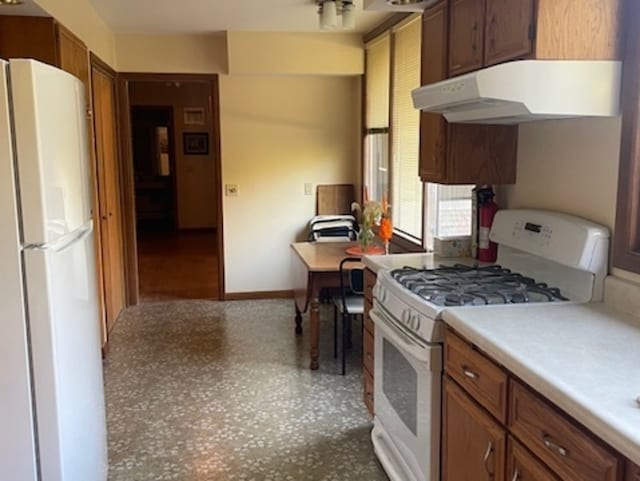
461, 285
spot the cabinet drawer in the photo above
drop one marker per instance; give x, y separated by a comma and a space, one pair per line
562, 445
367, 355
368, 390
368, 323
480, 377
523, 466
369, 281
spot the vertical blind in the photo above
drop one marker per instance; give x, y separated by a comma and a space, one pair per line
405, 129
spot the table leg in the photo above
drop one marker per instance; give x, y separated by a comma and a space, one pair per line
298, 321
314, 328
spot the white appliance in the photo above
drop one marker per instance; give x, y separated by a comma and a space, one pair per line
526, 90
542, 257
53, 414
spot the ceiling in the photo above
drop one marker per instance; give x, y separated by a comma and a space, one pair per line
200, 16
28, 8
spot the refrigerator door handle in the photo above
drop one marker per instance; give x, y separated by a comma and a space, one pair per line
64, 242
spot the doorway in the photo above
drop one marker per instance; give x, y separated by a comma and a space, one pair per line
172, 194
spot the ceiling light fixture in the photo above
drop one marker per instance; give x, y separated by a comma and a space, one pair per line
10, 2
330, 10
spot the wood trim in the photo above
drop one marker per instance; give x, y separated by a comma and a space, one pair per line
400, 244
387, 24
626, 249
216, 149
244, 296
99, 64
131, 256
128, 194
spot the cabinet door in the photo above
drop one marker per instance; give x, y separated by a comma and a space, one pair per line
109, 193
509, 30
473, 443
434, 69
28, 37
482, 154
466, 36
523, 466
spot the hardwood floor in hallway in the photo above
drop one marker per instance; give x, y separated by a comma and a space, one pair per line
177, 265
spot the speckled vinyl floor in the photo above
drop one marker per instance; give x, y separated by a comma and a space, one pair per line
220, 391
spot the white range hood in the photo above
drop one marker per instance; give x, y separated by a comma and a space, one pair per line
526, 90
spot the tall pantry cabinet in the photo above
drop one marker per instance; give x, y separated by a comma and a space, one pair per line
48, 41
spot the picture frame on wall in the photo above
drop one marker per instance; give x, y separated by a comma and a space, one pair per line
196, 143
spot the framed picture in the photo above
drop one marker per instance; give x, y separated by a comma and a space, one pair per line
196, 143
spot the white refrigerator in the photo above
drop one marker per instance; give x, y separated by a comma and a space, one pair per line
52, 410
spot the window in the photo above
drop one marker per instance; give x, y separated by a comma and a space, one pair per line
376, 146
392, 125
627, 234
406, 193
392, 137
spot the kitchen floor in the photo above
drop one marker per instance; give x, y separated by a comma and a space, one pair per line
177, 265
220, 391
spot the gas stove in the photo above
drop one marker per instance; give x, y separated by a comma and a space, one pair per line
542, 257
462, 285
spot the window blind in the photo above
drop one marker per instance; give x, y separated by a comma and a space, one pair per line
377, 83
407, 191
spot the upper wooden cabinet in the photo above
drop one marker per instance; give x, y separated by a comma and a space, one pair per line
459, 153
487, 32
466, 39
509, 30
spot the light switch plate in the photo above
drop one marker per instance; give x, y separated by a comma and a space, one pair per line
308, 188
231, 190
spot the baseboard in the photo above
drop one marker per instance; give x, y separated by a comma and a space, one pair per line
244, 296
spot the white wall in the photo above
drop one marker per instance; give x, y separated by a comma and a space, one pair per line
81, 18
279, 132
569, 166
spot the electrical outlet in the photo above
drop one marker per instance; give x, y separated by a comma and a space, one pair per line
231, 190
308, 187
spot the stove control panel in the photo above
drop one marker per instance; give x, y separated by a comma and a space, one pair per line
562, 238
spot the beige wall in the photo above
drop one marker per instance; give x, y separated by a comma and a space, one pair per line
195, 174
295, 53
81, 18
277, 134
569, 166
172, 53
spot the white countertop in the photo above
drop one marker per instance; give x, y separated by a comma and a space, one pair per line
421, 260
585, 358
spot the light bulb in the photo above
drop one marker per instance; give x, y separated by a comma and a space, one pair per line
348, 16
329, 15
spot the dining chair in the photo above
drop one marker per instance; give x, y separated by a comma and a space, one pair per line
350, 303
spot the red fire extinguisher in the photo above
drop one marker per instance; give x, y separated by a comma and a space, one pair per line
487, 208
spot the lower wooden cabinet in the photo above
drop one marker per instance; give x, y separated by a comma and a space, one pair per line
523, 466
537, 443
473, 444
368, 340
632, 472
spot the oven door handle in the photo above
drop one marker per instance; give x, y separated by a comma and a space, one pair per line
399, 338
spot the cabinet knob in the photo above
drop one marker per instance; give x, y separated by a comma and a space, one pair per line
554, 446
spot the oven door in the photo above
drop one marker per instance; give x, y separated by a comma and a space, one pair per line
408, 380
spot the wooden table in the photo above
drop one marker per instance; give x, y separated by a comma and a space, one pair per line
315, 265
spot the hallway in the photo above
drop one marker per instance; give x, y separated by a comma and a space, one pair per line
177, 265
220, 391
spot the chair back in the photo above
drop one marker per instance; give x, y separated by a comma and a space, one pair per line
355, 278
